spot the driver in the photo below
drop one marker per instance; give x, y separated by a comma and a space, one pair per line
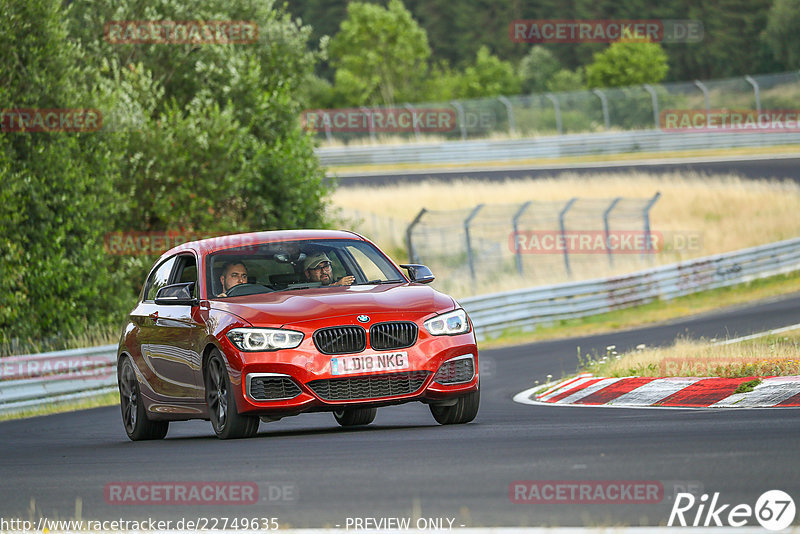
317, 268
233, 274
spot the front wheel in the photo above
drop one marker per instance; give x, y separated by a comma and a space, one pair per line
134, 417
225, 418
463, 411
355, 416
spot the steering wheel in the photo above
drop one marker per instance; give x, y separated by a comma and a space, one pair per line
247, 289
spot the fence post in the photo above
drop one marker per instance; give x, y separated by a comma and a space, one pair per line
654, 99
461, 120
510, 112
368, 113
607, 229
416, 126
706, 100
557, 108
604, 103
561, 216
749, 79
469, 218
412, 254
646, 216
514, 222
326, 120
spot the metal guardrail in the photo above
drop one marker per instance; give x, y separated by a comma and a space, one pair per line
36, 380
491, 314
484, 151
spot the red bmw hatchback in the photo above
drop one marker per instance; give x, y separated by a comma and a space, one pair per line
256, 327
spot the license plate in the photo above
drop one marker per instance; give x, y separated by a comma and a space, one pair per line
369, 363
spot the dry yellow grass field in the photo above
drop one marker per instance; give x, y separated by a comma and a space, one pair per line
774, 355
728, 212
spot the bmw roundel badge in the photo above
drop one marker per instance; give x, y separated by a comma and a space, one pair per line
363, 318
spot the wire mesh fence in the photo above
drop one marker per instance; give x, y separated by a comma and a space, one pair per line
626, 108
535, 240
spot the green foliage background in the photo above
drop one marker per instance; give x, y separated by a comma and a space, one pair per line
469, 44
196, 138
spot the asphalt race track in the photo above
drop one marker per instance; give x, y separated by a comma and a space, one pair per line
752, 168
310, 472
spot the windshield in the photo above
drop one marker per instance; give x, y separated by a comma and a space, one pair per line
294, 265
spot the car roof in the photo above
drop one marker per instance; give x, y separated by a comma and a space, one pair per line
214, 244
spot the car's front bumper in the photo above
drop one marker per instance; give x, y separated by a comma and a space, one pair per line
301, 380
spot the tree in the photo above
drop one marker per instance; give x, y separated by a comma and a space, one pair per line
195, 138
537, 68
566, 80
489, 76
627, 63
217, 147
781, 33
56, 188
380, 54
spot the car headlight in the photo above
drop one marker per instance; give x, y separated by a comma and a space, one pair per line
448, 324
260, 339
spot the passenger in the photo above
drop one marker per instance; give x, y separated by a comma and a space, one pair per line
317, 268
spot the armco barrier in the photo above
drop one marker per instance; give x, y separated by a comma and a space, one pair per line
35, 380
491, 314
42, 379
485, 151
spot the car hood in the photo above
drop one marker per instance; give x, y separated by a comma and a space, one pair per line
405, 301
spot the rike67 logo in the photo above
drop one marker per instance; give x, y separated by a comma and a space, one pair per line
774, 510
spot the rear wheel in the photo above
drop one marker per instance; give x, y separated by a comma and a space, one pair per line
228, 423
463, 411
134, 417
355, 416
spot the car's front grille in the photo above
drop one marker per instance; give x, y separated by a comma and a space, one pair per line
398, 335
267, 388
369, 387
340, 339
456, 371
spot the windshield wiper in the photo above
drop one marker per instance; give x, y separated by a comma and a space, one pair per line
383, 282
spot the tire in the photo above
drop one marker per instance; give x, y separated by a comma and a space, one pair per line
225, 418
355, 416
134, 417
463, 411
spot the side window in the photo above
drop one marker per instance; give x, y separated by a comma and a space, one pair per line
187, 271
158, 279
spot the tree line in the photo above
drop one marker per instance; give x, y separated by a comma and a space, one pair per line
435, 50
195, 139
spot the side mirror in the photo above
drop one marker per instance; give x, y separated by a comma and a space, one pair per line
419, 273
176, 295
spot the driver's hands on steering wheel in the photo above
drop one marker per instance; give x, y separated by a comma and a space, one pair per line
345, 280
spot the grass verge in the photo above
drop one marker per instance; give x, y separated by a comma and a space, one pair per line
653, 312
772, 355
